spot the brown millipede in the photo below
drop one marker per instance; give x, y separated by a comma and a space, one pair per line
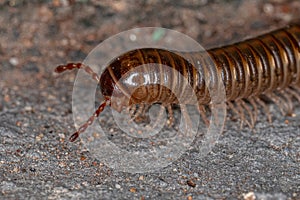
268, 65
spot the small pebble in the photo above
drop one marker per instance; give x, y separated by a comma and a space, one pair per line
6, 98
85, 183
133, 190
14, 61
28, 108
15, 170
96, 135
62, 164
249, 196
191, 183
268, 8
18, 123
82, 158
32, 169
39, 137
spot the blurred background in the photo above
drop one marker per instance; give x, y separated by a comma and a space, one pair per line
36, 114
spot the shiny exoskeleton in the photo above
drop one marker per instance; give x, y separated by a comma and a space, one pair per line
264, 65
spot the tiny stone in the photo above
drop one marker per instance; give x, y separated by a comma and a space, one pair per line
268, 8
118, 186
62, 164
141, 178
15, 170
191, 183
14, 61
85, 183
6, 98
39, 137
25, 124
249, 196
82, 158
294, 194
96, 135
28, 108
32, 169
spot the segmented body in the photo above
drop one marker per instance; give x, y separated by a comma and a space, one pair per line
248, 69
264, 64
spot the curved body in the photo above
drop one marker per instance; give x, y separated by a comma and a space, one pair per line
249, 68
264, 65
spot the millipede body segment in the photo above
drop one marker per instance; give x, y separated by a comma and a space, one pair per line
268, 65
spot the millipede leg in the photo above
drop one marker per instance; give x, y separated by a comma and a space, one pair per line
71, 66
293, 93
297, 88
171, 115
246, 107
138, 112
239, 112
289, 103
215, 114
279, 102
202, 112
242, 114
147, 106
186, 118
265, 107
231, 106
131, 110
253, 104
159, 116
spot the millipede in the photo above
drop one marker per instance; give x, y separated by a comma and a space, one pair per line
264, 67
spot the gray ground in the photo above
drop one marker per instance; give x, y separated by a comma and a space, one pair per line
36, 159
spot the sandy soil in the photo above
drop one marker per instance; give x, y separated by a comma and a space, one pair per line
36, 159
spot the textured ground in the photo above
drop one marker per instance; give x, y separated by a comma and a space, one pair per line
36, 160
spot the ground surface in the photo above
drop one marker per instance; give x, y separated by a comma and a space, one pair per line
36, 159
